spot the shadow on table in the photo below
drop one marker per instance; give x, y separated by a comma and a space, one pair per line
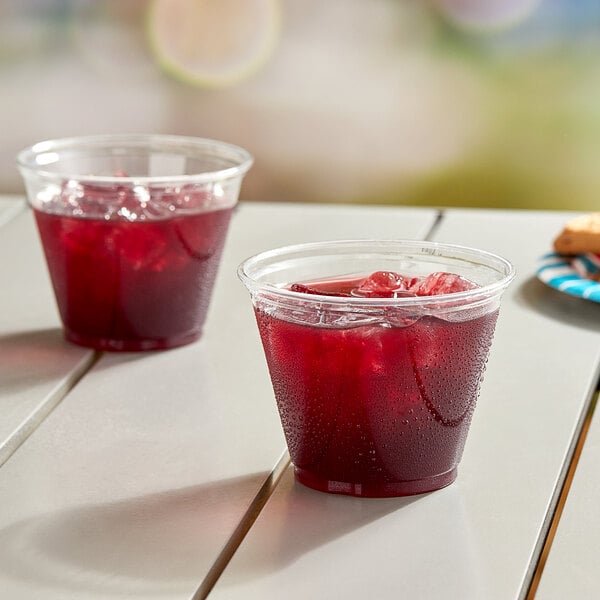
302, 519
111, 359
558, 305
153, 545
31, 357
310, 538
165, 543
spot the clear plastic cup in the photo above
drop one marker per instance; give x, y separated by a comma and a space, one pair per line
133, 227
375, 395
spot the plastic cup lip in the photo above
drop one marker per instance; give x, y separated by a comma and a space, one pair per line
31, 160
469, 297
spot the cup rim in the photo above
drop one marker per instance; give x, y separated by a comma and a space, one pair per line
482, 293
26, 158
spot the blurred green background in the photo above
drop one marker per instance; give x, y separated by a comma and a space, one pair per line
443, 103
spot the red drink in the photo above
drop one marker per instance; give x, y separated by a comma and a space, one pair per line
377, 409
133, 227
133, 285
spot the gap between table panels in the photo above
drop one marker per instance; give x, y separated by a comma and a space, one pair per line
434, 226
240, 532
559, 499
46, 407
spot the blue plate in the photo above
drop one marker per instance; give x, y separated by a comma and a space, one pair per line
571, 274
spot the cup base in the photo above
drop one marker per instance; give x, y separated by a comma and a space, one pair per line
376, 490
142, 345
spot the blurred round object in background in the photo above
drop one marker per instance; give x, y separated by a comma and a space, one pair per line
213, 43
487, 14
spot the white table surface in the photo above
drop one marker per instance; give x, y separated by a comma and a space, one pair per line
36, 367
141, 479
136, 481
9, 207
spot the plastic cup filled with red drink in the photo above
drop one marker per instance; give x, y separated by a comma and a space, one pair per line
376, 351
133, 227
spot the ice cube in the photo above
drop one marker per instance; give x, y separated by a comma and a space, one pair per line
128, 201
137, 203
443, 283
386, 284
67, 200
112, 202
145, 250
83, 200
185, 197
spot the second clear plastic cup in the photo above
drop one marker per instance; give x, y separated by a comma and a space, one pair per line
375, 394
133, 227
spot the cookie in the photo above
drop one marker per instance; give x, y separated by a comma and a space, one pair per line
580, 235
